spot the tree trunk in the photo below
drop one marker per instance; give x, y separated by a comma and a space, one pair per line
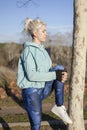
77, 83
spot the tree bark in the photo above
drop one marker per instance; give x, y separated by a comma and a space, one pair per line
77, 83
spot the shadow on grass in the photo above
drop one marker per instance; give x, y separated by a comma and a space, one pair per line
55, 124
4, 124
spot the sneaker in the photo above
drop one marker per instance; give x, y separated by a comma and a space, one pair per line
60, 111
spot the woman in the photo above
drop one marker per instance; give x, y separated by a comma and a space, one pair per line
37, 78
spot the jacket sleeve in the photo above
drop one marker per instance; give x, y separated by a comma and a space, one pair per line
30, 69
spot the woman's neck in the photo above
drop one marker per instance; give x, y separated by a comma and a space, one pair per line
36, 41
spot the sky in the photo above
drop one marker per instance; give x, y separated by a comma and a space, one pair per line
57, 14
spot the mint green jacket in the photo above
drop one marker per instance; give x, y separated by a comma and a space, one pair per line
33, 67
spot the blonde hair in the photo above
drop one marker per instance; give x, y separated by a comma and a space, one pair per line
31, 25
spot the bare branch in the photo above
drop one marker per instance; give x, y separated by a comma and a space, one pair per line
23, 3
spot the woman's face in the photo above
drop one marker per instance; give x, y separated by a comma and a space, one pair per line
40, 34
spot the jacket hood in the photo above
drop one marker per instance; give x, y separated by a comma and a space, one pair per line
32, 44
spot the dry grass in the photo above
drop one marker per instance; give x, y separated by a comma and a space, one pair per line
6, 75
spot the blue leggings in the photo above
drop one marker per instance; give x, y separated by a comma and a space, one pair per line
33, 100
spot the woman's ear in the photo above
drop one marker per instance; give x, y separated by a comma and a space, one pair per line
35, 33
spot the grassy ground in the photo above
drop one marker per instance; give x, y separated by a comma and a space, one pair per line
22, 117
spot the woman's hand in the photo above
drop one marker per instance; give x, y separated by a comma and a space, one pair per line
64, 77
61, 75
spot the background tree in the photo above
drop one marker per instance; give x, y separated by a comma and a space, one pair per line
77, 83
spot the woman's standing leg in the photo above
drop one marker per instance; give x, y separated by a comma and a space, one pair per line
33, 105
